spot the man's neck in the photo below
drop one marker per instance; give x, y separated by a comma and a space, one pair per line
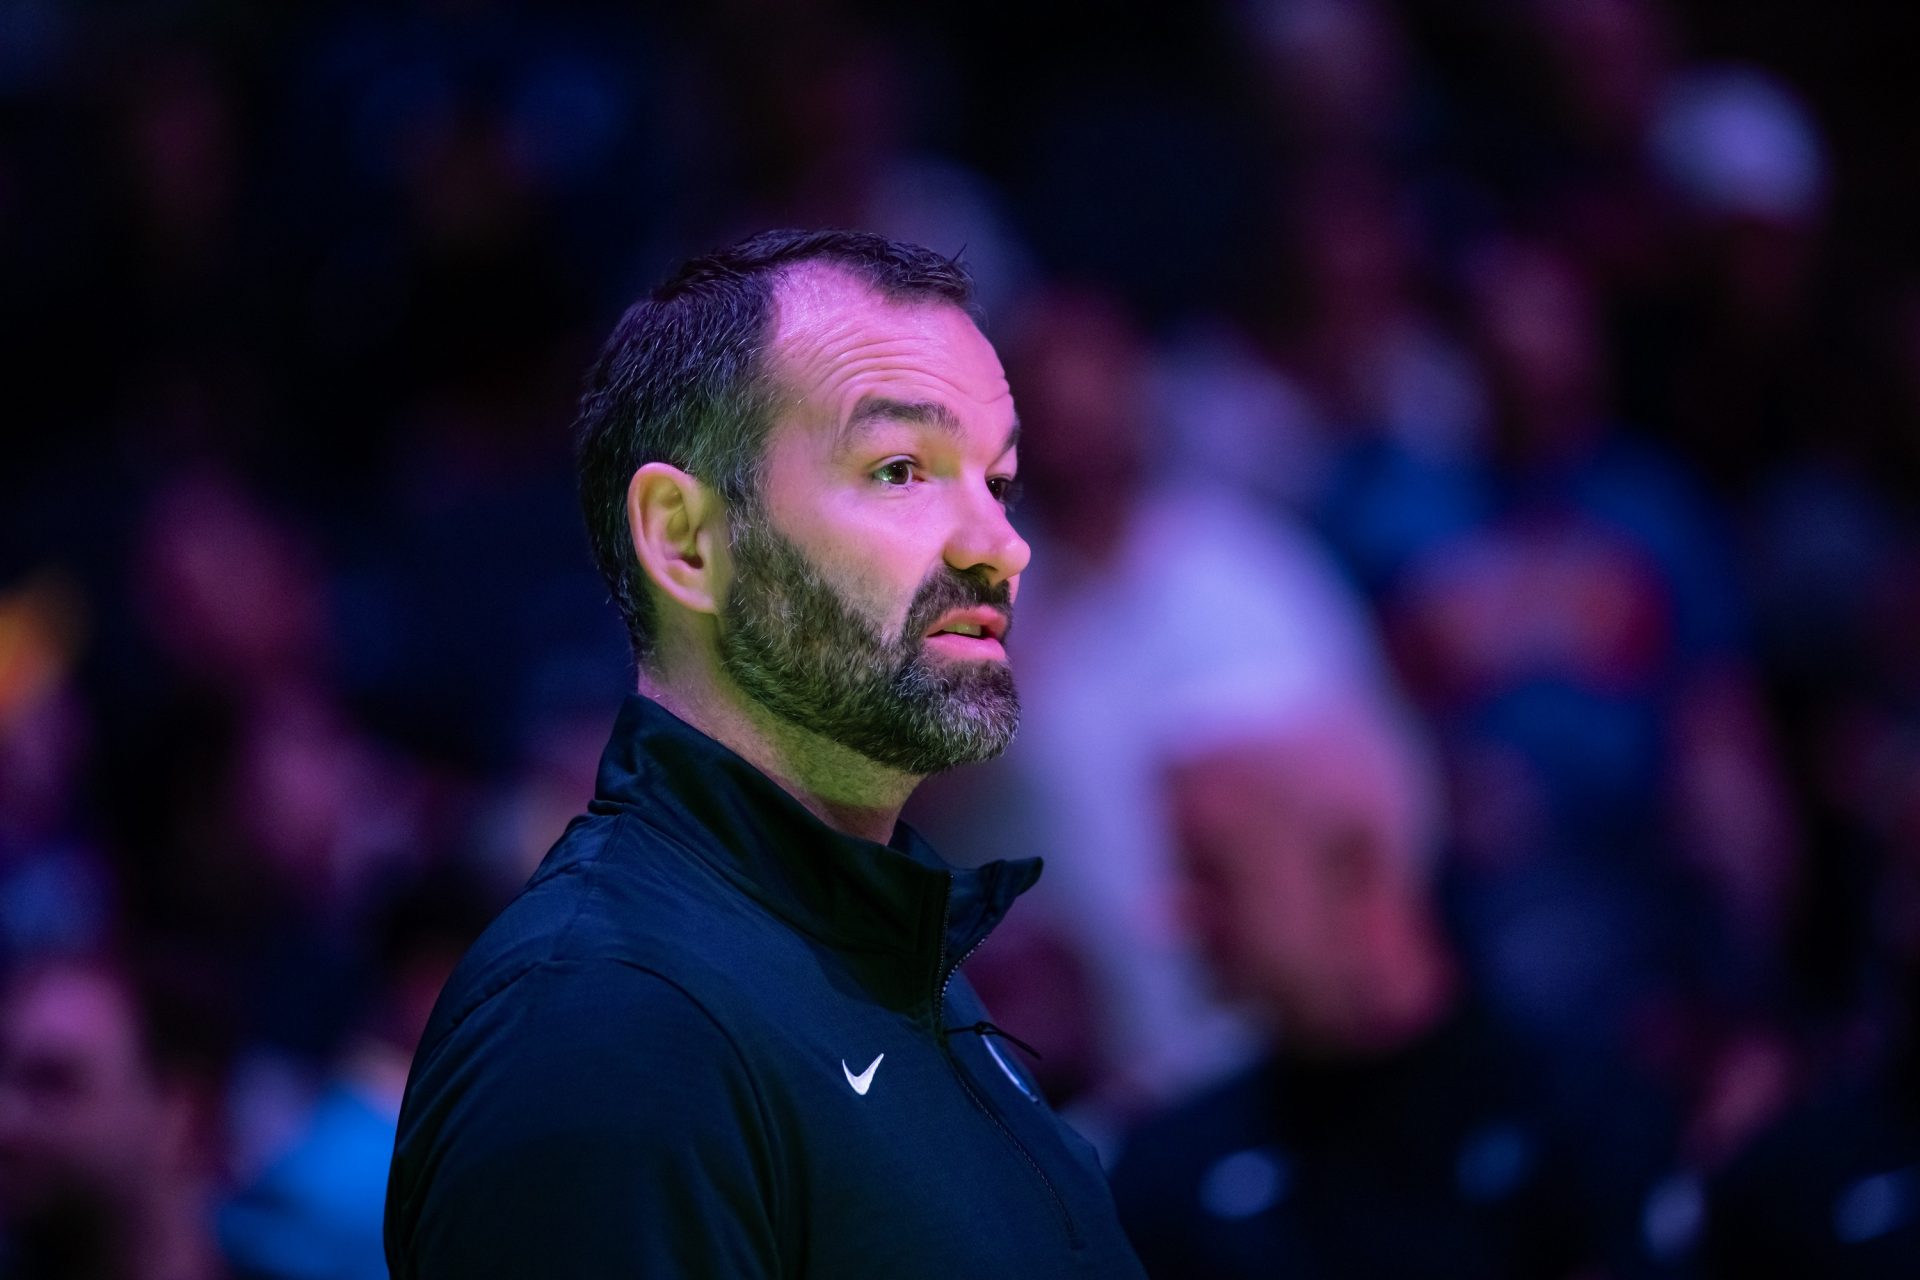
841, 787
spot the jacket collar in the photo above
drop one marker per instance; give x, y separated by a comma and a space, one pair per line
897, 900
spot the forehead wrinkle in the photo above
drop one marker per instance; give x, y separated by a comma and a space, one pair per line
864, 354
861, 360
829, 353
836, 323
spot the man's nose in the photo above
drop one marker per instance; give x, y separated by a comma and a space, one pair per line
983, 539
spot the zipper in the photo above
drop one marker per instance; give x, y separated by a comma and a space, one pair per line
966, 1086
940, 1000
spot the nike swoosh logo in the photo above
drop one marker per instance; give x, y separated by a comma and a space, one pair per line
861, 1082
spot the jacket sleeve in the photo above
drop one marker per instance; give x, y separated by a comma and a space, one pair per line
591, 1120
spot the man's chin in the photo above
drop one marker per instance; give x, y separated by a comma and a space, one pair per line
975, 726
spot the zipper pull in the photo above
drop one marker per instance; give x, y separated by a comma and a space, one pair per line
988, 1029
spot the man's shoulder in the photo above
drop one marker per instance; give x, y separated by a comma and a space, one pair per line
571, 1086
619, 914
564, 1043
577, 1008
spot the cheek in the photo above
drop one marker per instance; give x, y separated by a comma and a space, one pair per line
880, 585
879, 573
867, 571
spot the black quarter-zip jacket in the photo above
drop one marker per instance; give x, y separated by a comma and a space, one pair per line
715, 1037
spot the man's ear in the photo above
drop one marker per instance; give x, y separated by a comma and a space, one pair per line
678, 527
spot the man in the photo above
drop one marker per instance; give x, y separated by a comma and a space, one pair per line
722, 1031
1393, 1129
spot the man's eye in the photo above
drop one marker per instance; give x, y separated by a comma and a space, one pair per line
897, 473
1005, 489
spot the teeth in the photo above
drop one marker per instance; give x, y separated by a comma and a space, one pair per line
966, 629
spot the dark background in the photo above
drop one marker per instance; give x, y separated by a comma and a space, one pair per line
303, 662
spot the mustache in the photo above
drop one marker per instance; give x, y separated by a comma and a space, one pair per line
948, 589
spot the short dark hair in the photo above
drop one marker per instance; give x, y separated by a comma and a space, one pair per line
683, 380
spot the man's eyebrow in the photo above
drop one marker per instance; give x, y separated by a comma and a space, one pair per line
925, 413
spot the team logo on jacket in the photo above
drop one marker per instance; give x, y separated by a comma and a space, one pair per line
862, 1082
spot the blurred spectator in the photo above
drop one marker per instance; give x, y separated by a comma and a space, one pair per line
1600, 70
250, 807
110, 1142
1359, 335
1579, 639
1394, 1128
1735, 361
833, 122
1833, 1188
228, 593
315, 1209
1335, 75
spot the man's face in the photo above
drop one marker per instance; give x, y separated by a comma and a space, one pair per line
874, 582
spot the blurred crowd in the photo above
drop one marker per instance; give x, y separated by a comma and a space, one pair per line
1471, 656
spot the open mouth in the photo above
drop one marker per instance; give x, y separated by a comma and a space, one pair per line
970, 633
981, 623
960, 641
